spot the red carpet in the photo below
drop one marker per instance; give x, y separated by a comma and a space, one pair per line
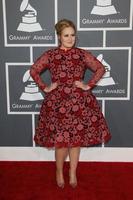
36, 181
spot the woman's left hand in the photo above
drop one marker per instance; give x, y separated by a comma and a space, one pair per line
81, 85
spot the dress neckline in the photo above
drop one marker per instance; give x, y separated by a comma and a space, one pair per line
65, 50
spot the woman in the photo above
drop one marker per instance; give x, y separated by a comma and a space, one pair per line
70, 116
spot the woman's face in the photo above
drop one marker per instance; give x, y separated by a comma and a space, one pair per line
67, 38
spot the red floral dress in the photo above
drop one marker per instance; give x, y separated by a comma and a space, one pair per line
69, 116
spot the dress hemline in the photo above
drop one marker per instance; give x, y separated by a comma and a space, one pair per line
62, 145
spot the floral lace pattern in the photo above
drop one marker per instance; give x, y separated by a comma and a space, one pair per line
69, 116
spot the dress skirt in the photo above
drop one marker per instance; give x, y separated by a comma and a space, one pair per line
71, 117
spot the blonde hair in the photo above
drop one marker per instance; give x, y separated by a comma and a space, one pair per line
64, 23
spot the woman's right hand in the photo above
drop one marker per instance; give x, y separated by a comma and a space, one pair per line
51, 87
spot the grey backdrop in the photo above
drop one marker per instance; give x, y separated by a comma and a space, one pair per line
114, 41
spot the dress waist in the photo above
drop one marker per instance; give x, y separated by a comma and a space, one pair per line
67, 83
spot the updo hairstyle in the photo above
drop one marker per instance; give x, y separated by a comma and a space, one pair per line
64, 23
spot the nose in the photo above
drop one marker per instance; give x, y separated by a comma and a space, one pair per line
70, 38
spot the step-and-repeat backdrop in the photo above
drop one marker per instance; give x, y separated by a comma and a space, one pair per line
27, 30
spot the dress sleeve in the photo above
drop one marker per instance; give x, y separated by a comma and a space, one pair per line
37, 68
96, 66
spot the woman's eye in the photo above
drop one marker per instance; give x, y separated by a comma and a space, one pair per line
73, 35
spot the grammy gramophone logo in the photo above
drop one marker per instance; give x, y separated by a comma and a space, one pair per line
103, 7
31, 92
106, 79
29, 19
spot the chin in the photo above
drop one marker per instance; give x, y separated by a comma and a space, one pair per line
69, 46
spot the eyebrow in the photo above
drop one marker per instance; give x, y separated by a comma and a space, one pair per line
69, 34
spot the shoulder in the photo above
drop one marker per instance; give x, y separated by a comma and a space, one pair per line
86, 54
48, 53
83, 51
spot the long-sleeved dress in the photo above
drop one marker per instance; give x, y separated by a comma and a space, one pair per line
69, 116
